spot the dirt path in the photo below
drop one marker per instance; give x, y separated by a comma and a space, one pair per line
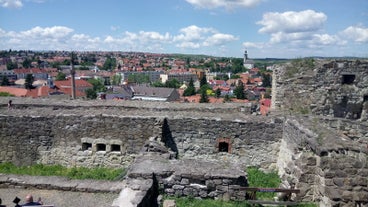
59, 198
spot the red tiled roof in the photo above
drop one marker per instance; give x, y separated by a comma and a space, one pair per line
19, 92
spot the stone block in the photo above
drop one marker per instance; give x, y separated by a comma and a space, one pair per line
178, 192
222, 188
169, 191
169, 203
202, 194
178, 187
184, 181
333, 193
338, 181
217, 181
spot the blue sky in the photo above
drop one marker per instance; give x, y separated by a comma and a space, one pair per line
266, 28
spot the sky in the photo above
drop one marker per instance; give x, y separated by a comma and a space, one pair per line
225, 28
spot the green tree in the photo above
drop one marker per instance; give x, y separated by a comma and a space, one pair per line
138, 78
27, 63
227, 98
158, 84
203, 81
239, 91
204, 97
218, 93
91, 94
266, 80
5, 81
116, 79
98, 86
173, 83
60, 76
110, 64
190, 91
10, 65
28, 84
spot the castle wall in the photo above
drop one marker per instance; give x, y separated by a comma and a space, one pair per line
105, 140
250, 142
328, 167
334, 88
74, 140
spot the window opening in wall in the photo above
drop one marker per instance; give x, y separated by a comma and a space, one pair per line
348, 79
115, 148
223, 147
86, 146
101, 147
365, 98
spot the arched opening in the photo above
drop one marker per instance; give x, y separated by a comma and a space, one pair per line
224, 145
101, 147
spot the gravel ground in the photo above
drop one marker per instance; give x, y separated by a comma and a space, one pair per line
59, 198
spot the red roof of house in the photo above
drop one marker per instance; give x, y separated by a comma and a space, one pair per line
65, 86
19, 92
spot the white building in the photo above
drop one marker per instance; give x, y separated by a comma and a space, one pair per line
247, 63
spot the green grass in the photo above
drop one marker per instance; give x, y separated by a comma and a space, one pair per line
192, 202
257, 178
98, 173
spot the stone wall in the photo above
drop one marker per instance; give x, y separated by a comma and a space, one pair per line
248, 142
108, 140
74, 140
330, 88
329, 167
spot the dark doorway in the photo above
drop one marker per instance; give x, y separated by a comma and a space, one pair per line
223, 147
348, 79
365, 98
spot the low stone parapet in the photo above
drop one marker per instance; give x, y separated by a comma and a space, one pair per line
59, 183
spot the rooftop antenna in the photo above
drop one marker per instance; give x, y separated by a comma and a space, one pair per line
72, 73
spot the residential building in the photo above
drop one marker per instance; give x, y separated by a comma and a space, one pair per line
155, 93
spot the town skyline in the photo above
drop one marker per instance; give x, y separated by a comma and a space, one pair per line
267, 29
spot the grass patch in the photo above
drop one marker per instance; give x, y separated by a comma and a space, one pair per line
99, 173
192, 202
257, 178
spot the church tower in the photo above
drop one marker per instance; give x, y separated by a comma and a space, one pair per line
247, 63
245, 56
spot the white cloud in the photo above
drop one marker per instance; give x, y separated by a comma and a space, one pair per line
219, 39
212, 4
326, 39
195, 37
114, 28
356, 33
258, 45
65, 38
291, 21
190, 45
47, 32
193, 33
11, 3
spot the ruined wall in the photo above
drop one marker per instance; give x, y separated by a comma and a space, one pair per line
114, 141
74, 140
329, 88
330, 168
248, 142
